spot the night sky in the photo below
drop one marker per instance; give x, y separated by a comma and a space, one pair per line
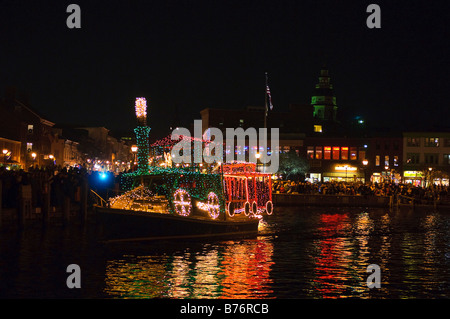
189, 55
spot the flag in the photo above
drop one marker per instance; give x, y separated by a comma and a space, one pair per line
268, 95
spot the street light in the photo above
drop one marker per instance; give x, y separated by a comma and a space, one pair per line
52, 158
365, 162
5, 151
430, 181
387, 171
134, 150
257, 156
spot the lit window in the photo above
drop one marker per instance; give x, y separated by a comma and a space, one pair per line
395, 160
432, 141
335, 153
377, 160
327, 152
318, 152
29, 147
344, 153
353, 155
386, 160
310, 152
318, 128
30, 129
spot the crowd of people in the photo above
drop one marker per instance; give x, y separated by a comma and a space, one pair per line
58, 181
358, 188
67, 182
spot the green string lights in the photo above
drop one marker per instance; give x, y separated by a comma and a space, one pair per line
186, 191
142, 131
143, 148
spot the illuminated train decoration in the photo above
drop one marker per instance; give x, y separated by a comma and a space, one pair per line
237, 189
163, 200
177, 202
246, 191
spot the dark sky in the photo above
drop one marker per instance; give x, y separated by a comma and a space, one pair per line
189, 55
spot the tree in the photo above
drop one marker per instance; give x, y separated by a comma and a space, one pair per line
292, 165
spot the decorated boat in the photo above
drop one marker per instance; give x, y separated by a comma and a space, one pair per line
167, 201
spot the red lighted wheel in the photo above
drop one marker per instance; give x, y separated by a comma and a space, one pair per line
230, 209
254, 208
269, 207
247, 209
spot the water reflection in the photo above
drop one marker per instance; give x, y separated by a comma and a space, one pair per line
332, 256
301, 253
226, 270
310, 254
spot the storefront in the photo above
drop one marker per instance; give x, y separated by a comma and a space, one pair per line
413, 177
339, 173
314, 177
386, 176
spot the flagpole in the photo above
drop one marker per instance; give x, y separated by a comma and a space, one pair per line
266, 110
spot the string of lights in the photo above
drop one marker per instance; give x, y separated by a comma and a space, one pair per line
233, 188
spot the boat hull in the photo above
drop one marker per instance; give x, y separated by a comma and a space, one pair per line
119, 224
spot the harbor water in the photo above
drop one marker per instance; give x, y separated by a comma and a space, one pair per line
299, 253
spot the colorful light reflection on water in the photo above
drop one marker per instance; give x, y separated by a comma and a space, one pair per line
226, 270
300, 253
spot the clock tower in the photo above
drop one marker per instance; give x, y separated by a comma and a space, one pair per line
323, 100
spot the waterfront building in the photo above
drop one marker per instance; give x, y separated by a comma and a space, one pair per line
10, 153
426, 157
96, 147
334, 158
324, 104
385, 157
20, 122
291, 123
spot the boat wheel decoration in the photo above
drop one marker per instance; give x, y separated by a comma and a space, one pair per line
213, 205
269, 207
254, 208
230, 209
182, 202
247, 209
